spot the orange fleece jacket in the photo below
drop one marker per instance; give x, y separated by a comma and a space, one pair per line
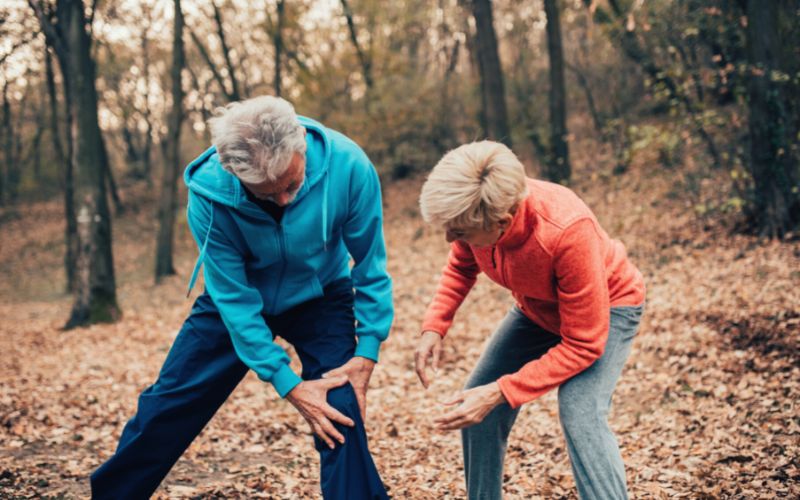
565, 274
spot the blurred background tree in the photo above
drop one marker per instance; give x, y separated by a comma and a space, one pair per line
707, 89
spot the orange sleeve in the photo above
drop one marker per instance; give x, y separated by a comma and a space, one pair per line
584, 311
458, 277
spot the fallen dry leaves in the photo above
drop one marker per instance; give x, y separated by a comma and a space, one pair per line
707, 406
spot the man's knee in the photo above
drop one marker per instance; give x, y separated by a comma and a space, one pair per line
344, 400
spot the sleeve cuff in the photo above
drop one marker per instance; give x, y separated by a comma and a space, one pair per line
368, 347
284, 380
503, 382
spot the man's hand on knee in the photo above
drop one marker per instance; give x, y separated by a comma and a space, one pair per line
358, 371
310, 399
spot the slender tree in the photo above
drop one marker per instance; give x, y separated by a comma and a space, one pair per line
491, 72
277, 40
558, 167
167, 203
363, 58
773, 99
64, 160
95, 294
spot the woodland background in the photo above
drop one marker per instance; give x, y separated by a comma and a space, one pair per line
676, 121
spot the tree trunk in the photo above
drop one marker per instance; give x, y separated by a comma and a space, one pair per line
8, 149
277, 39
146, 155
558, 168
597, 119
235, 95
95, 298
167, 202
491, 72
366, 62
773, 126
65, 161
112, 184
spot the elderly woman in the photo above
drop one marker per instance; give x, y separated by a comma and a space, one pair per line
578, 299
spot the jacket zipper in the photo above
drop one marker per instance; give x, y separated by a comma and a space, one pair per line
494, 265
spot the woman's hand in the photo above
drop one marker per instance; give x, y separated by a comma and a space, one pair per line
476, 403
428, 353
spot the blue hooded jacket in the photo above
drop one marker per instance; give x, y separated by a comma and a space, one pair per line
254, 266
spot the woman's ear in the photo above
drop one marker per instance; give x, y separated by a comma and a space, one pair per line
505, 221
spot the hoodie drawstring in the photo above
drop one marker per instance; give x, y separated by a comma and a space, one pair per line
202, 255
325, 211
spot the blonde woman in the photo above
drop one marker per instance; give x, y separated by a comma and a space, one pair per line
579, 301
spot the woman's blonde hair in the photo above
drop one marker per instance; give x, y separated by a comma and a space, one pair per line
473, 186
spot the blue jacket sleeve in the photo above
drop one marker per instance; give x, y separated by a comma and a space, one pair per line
239, 304
363, 237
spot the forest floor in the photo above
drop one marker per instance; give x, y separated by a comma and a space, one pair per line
707, 406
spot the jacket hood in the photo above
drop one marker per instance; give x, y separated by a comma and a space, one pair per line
206, 176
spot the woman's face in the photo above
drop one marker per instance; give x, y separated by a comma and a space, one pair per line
478, 237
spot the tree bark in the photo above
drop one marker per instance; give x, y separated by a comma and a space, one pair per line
277, 39
8, 148
95, 297
773, 156
558, 168
366, 62
491, 72
65, 160
235, 95
167, 202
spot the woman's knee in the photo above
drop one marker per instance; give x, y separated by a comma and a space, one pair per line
579, 410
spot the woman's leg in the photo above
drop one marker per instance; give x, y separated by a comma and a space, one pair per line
516, 341
584, 402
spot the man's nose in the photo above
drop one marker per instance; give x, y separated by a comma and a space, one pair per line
449, 237
283, 199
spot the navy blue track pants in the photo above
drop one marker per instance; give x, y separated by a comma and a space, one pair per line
202, 369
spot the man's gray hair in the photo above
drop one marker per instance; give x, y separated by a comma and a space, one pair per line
257, 138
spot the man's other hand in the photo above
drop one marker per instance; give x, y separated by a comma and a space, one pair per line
358, 371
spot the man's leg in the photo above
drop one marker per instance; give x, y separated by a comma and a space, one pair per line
516, 341
199, 373
584, 402
323, 334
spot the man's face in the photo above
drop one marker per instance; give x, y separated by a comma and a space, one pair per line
282, 190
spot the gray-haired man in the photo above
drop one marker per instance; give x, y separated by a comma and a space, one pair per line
278, 208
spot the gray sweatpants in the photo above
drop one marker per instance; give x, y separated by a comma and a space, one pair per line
583, 404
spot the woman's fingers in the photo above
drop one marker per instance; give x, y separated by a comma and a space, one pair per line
421, 359
437, 352
454, 400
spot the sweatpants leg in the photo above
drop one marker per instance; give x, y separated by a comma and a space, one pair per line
516, 341
584, 402
199, 373
322, 332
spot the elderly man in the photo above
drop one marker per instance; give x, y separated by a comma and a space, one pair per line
278, 207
